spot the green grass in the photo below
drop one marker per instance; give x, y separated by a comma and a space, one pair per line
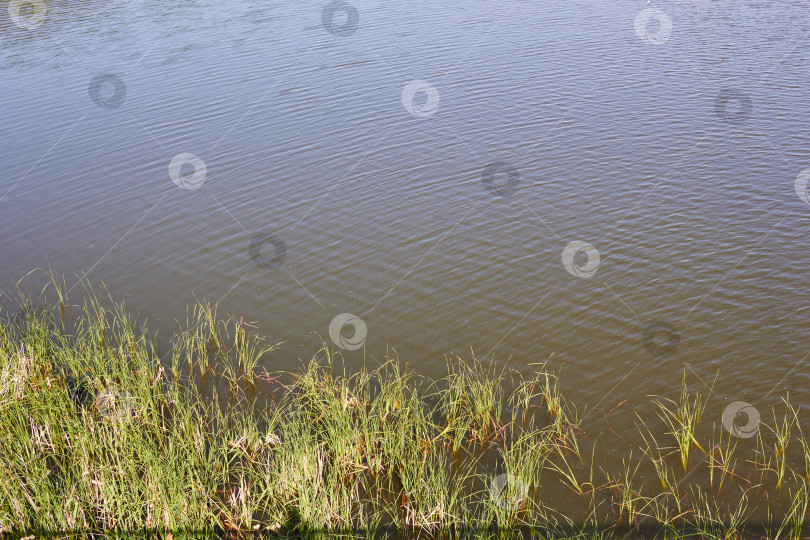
682, 417
97, 434
721, 459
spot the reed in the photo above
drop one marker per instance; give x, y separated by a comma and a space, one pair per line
97, 434
721, 458
712, 521
782, 430
793, 521
682, 417
654, 454
628, 500
470, 402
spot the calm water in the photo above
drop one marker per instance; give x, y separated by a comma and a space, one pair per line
612, 140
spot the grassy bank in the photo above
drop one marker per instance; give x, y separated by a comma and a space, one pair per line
98, 434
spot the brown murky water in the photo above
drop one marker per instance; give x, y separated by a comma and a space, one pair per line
520, 179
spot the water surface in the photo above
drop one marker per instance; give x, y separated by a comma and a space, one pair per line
617, 141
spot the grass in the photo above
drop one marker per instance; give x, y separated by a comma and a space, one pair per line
782, 431
682, 418
470, 402
628, 500
97, 434
721, 459
715, 522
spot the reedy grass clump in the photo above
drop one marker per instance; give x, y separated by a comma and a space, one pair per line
722, 460
470, 402
628, 499
793, 521
781, 431
324, 452
717, 522
682, 417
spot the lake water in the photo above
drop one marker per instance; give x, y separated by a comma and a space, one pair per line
425, 167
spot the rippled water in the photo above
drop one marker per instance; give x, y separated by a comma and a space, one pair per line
672, 148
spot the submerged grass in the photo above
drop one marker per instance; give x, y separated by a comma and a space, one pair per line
98, 435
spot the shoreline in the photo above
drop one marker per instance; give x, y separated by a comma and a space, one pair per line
96, 434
